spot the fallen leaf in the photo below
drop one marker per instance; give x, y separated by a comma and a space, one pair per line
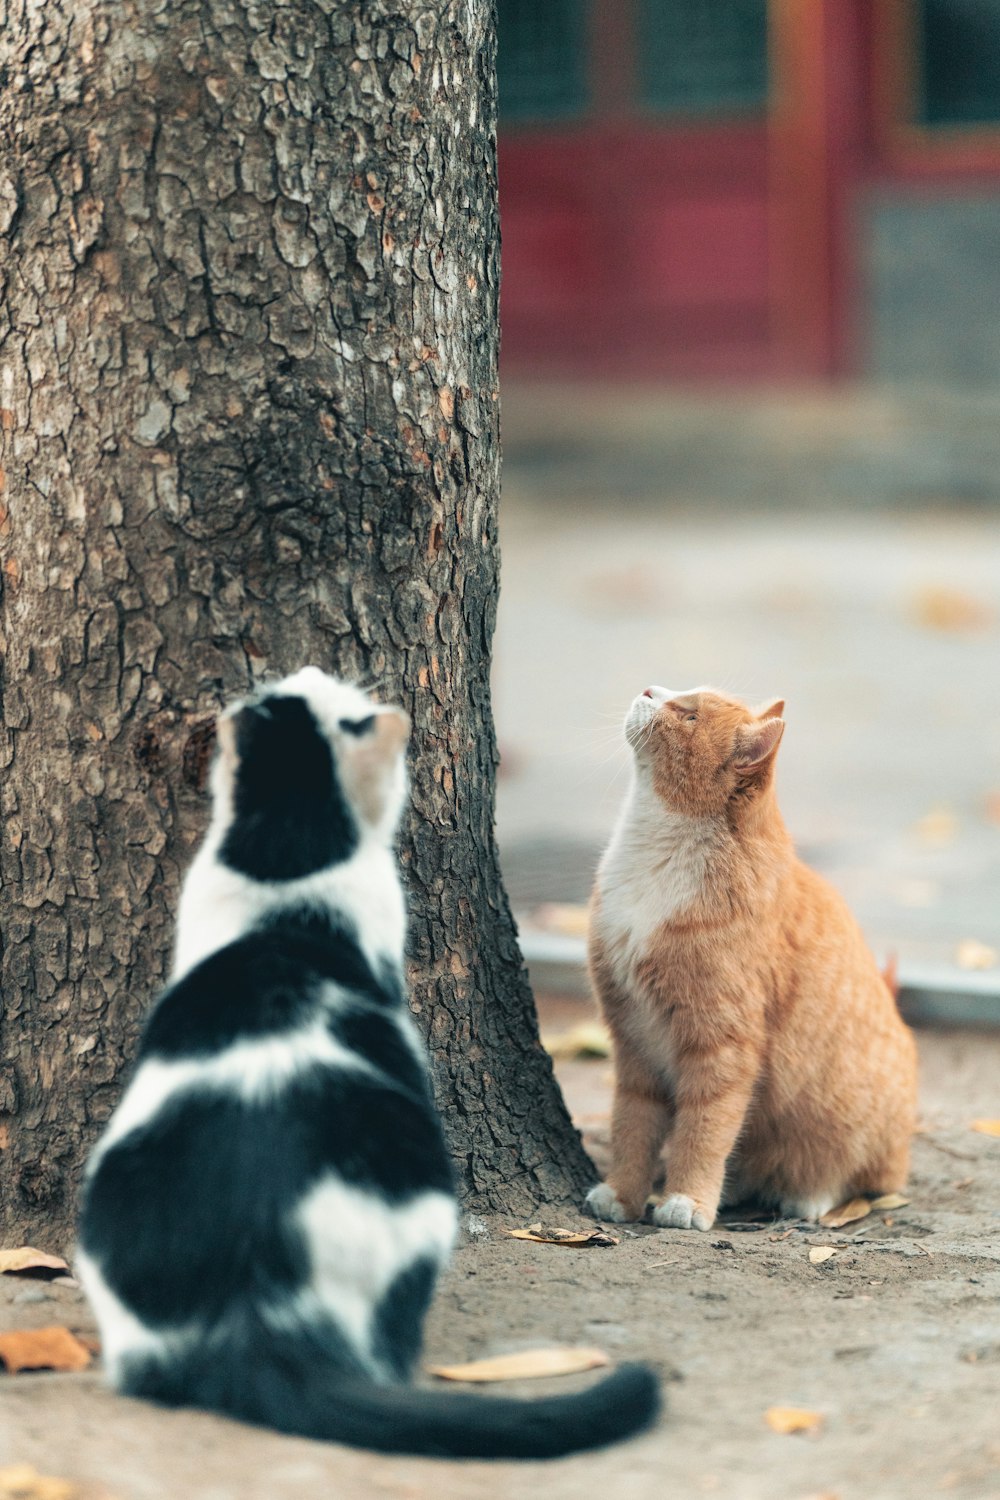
916, 893
819, 1253
792, 1419
589, 1039
890, 1200
572, 1238
531, 1364
43, 1349
938, 826
971, 954
986, 1127
561, 916
26, 1261
23, 1482
939, 608
847, 1213
777, 1237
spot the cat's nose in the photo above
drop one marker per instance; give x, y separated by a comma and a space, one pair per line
647, 692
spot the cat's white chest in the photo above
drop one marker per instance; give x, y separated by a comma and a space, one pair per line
652, 873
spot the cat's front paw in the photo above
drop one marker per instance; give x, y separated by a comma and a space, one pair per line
678, 1211
603, 1202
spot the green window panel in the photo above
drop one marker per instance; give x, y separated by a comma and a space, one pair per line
958, 62
703, 57
542, 59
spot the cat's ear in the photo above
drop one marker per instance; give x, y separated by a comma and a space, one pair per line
392, 730
683, 705
233, 730
772, 709
756, 744
369, 761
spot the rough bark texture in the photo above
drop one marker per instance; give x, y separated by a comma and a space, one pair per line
249, 412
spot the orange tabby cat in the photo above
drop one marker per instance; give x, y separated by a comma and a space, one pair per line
750, 1021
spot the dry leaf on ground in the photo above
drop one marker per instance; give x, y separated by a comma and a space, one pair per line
890, 1200
792, 1419
847, 1213
940, 608
819, 1253
939, 826
26, 1261
971, 954
530, 1364
43, 1349
23, 1482
589, 1039
562, 917
572, 1238
986, 1127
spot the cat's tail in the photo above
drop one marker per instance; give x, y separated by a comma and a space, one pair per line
274, 1388
447, 1424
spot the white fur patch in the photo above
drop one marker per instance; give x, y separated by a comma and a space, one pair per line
653, 870
219, 905
359, 1245
251, 1070
810, 1209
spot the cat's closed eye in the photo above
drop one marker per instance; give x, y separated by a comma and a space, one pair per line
358, 726
690, 718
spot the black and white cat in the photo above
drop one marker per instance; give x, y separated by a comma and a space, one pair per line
265, 1217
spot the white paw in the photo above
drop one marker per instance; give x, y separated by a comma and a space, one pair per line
603, 1204
678, 1211
810, 1209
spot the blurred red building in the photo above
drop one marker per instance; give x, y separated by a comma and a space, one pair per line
736, 188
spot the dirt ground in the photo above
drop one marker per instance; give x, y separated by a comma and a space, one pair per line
895, 1341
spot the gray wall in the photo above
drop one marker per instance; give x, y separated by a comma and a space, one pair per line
932, 294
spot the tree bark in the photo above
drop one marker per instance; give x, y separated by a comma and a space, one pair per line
249, 419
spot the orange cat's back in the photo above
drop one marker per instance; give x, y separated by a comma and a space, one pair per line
839, 1080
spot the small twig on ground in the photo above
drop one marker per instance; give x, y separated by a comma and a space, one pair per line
948, 1150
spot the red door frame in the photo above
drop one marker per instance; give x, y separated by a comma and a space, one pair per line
595, 160
839, 123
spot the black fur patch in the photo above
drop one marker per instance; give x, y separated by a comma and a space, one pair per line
290, 816
192, 1215
375, 1036
398, 1323
266, 982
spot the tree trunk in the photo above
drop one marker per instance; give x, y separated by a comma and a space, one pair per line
249, 412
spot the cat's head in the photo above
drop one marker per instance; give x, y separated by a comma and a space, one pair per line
705, 753
307, 772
